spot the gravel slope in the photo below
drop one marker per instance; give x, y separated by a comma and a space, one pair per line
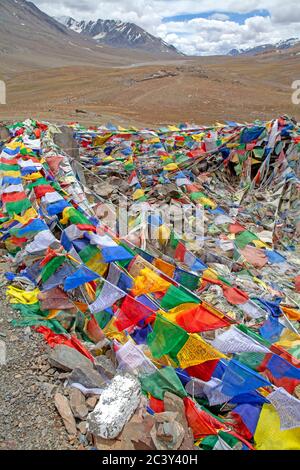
28, 417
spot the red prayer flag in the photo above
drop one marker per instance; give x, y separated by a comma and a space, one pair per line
156, 405
87, 228
199, 319
49, 256
203, 371
54, 339
180, 252
13, 197
131, 313
235, 296
201, 423
41, 191
236, 228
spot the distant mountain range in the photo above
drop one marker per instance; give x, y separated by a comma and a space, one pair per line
119, 34
264, 48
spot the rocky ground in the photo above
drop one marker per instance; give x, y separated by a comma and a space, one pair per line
28, 416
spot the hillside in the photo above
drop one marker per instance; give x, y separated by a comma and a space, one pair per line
31, 39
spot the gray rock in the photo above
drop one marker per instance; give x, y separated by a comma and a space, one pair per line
167, 433
63, 407
77, 403
176, 405
91, 402
65, 358
105, 366
2, 353
86, 376
116, 406
104, 189
49, 389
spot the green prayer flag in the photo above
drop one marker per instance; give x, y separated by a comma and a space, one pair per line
102, 318
89, 252
76, 217
4, 167
175, 296
17, 207
174, 240
33, 316
52, 267
39, 182
209, 442
197, 195
251, 360
166, 338
162, 381
254, 335
244, 238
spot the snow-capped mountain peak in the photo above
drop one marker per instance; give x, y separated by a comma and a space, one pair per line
279, 46
119, 34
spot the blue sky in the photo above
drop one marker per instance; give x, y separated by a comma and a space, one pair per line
236, 17
196, 27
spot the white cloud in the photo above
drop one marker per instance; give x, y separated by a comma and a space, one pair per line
219, 17
213, 35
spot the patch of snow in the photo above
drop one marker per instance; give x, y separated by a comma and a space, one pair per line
100, 36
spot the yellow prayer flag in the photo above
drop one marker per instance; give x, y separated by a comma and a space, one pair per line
205, 201
100, 140
19, 296
148, 282
288, 340
138, 194
291, 313
12, 174
28, 215
96, 264
112, 332
259, 244
66, 216
33, 176
268, 435
53, 314
197, 351
163, 234
210, 274
171, 167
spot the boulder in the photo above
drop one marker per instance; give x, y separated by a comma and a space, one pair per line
86, 376
105, 366
66, 358
63, 407
77, 403
116, 406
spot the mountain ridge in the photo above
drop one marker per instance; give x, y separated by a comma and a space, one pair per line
119, 34
282, 45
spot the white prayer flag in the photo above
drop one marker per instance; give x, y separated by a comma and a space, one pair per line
131, 358
41, 242
50, 198
253, 310
109, 295
13, 188
288, 408
234, 341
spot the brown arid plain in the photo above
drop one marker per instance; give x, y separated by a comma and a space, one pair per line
203, 91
